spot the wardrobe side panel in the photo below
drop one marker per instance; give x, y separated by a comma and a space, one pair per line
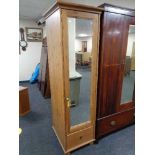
55, 59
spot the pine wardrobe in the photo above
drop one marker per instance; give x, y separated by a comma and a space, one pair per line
73, 84
116, 75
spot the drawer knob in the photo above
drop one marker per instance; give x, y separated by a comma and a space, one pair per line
80, 137
113, 123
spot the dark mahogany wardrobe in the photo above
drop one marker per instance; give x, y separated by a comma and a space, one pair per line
115, 108
43, 80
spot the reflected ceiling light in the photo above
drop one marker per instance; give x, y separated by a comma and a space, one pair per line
82, 35
114, 32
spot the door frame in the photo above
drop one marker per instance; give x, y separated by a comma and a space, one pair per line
131, 104
94, 70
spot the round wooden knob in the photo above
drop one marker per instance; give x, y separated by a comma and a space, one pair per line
80, 137
113, 123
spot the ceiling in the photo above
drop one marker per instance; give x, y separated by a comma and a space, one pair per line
83, 27
33, 9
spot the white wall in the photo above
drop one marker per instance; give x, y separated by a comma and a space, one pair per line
71, 41
78, 45
89, 44
71, 38
31, 57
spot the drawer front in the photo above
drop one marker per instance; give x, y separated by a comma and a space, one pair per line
80, 138
114, 122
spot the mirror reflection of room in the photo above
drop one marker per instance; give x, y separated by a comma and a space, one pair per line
129, 71
80, 58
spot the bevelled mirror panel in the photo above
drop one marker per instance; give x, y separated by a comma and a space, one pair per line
129, 70
80, 58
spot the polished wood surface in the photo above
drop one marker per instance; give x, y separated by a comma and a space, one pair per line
115, 121
56, 73
76, 136
47, 93
80, 128
43, 79
24, 105
118, 9
114, 29
76, 139
71, 6
94, 70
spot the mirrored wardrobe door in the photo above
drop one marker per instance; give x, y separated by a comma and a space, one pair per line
81, 52
129, 69
80, 55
